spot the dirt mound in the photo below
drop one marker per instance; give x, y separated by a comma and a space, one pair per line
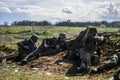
46, 65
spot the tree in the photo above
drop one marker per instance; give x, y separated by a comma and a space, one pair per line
5, 23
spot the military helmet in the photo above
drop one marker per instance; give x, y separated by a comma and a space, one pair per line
34, 37
92, 30
62, 35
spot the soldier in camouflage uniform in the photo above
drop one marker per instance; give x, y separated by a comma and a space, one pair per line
49, 46
25, 47
87, 49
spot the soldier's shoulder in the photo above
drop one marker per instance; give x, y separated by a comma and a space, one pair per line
26, 39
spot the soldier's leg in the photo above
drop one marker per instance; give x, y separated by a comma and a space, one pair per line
36, 53
21, 55
95, 60
32, 54
107, 66
111, 64
85, 64
50, 52
29, 57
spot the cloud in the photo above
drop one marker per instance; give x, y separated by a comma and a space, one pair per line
5, 9
109, 12
68, 10
17, 0
2, 3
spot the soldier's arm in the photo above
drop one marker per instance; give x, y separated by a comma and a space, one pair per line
22, 44
100, 38
53, 44
45, 43
80, 36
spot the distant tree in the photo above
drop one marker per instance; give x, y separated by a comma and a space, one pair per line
117, 24
30, 23
66, 23
5, 23
14, 23
45, 23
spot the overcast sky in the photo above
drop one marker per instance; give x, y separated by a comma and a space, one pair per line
59, 10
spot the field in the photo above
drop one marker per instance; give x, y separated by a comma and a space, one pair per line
43, 68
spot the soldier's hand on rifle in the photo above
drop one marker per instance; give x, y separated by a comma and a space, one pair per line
101, 38
26, 47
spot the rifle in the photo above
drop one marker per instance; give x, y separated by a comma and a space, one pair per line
12, 55
108, 34
111, 39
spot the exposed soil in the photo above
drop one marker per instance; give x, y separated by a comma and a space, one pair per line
47, 65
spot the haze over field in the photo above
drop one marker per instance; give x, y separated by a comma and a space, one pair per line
59, 10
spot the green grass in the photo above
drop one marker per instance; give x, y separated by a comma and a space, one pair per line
53, 29
26, 31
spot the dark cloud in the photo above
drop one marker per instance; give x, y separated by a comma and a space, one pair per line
68, 11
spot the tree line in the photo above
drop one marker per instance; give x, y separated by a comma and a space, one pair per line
85, 24
31, 23
66, 23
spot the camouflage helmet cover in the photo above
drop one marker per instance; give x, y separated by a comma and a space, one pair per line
92, 30
34, 37
62, 35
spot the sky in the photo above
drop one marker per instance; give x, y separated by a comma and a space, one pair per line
59, 10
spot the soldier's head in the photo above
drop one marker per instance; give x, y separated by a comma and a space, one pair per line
62, 35
92, 30
34, 37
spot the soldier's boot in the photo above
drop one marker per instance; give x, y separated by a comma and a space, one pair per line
79, 71
100, 69
82, 69
97, 70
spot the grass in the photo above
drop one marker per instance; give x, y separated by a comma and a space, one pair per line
46, 31
7, 72
25, 30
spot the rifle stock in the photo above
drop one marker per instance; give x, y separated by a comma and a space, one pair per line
12, 55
